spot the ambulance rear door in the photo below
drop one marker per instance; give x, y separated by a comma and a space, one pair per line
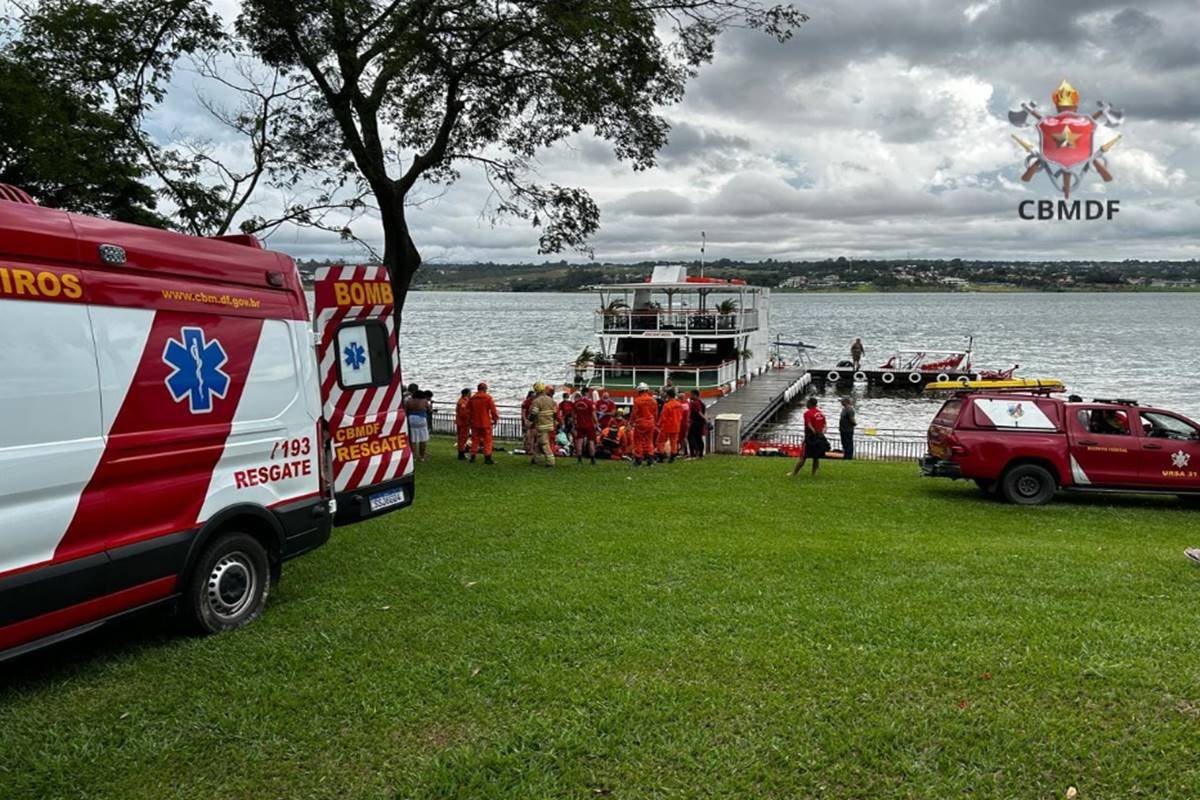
361, 393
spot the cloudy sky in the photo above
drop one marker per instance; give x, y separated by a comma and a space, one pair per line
880, 130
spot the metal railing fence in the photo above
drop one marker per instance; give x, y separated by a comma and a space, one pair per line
884, 444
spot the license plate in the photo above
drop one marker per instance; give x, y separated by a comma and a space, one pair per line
382, 500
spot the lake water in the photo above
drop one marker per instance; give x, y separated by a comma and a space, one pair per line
1143, 346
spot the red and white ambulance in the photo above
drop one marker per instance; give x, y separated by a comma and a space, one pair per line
168, 432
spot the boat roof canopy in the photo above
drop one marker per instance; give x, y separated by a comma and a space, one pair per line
675, 278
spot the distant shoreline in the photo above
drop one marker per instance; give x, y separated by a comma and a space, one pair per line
970, 289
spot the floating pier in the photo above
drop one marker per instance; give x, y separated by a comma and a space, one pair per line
761, 398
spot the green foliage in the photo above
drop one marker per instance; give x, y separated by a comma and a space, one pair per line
705, 629
119, 56
585, 357
58, 146
727, 306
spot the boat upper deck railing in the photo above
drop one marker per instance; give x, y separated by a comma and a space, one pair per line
684, 376
684, 322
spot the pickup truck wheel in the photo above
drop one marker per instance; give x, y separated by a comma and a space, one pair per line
1028, 485
228, 588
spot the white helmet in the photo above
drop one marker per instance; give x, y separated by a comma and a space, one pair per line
642, 387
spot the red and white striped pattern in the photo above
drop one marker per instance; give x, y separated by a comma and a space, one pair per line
370, 404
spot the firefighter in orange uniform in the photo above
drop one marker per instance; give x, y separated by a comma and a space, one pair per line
462, 422
671, 421
644, 420
483, 415
616, 440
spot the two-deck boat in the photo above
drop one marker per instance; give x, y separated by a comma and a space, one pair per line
677, 330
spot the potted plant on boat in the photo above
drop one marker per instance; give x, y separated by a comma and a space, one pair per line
744, 356
585, 359
727, 309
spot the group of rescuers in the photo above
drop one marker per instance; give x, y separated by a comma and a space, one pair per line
658, 428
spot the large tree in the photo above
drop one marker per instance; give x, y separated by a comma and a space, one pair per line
120, 57
393, 94
416, 90
57, 145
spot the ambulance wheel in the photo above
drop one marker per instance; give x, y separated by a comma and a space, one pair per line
1028, 485
228, 588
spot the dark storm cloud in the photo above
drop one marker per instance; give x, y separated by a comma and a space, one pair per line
693, 144
880, 129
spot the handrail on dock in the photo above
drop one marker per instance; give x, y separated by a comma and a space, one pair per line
762, 397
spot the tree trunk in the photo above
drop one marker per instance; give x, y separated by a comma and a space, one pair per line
400, 254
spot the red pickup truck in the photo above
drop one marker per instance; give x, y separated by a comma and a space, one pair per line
1027, 446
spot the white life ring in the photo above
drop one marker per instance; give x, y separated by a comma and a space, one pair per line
888, 377
833, 376
914, 377
964, 380
860, 377
943, 377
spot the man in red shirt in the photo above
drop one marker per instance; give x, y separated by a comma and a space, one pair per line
645, 417
483, 415
697, 424
605, 409
462, 422
585, 427
815, 443
566, 413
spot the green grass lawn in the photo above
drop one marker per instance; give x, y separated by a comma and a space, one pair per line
707, 629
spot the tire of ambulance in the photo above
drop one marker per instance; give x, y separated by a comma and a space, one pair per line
228, 587
1028, 485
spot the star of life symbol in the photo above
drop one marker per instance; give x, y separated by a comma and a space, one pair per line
1066, 150
1180, 459
196, 372
355, 356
